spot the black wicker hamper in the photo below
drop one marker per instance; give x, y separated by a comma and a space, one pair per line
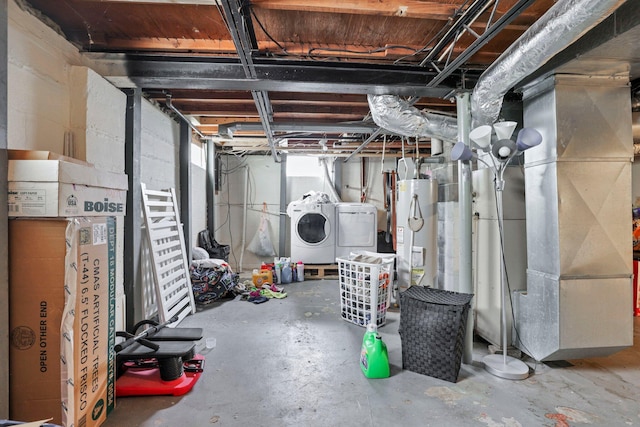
432, 329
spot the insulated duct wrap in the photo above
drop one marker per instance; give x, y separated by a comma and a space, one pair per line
396, 115
563, 24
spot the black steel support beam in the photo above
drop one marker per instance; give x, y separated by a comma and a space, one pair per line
491, 32
168, 72
211, 186
4, 218
133, 218
463, 19
185, 184
242, 31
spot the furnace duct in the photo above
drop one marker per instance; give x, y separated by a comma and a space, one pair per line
396, 115
563, 24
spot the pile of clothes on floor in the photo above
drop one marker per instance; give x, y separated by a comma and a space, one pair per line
211, 278
257, 295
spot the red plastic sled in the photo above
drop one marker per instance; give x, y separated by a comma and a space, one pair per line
144, 379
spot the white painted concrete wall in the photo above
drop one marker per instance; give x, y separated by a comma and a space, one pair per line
159, 150
198, 190
374, 184
38, 83
264, 187
97, 119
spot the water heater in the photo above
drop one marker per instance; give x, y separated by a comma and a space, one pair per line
417, 233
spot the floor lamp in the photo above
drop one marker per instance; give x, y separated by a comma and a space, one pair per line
501, 151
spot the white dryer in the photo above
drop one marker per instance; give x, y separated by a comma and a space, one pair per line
312, 232
357, 228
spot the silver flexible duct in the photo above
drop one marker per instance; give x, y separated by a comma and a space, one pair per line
563, 24
398, 116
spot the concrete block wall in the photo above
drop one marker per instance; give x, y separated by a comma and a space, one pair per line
39, 93
97, 119
160, 141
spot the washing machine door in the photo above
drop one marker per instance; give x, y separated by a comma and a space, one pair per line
313, 228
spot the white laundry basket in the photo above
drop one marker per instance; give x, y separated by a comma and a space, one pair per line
365, 287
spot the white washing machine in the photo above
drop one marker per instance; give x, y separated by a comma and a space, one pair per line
357, 228
312, 232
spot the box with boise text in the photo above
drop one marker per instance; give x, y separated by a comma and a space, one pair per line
62, 187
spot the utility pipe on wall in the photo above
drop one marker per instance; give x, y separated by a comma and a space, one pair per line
465, 284
327, 176
244, 215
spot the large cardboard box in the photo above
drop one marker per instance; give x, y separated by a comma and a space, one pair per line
62, 188
62, 319
36, 301
88, 322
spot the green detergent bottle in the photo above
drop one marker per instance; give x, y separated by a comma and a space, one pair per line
374, 360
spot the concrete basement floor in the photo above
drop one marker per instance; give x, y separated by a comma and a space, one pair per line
294, 362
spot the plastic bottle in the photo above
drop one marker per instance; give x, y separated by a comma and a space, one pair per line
261, 277
278, 273
374, 360
300, 271
286, 273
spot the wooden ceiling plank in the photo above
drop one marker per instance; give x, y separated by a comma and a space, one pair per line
168, 44
311, 102
185, 2
405, 8
317, 117
212, 101
206, 121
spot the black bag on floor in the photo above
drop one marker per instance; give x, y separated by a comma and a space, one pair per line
213, 248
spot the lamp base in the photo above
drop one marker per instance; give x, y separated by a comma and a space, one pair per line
512, 369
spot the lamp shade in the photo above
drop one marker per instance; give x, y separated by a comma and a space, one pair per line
504, 130
527, 138
504, 149
481, 136
461, 151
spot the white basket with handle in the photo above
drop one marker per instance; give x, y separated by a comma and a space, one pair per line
365, 287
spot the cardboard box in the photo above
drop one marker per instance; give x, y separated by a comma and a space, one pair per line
42, 155
62, 319
57, 188
36, 302
88, 322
